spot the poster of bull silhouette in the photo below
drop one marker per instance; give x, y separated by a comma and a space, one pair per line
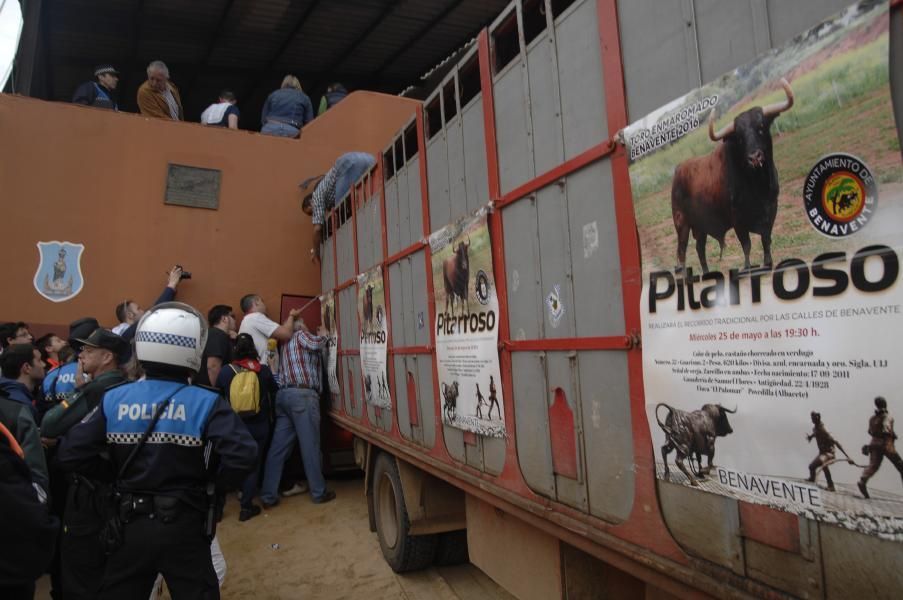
466, 326
371, 309
328, 318
768, 205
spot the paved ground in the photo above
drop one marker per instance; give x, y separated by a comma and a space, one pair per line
327, 552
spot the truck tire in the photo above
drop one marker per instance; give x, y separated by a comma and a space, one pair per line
403, 552
452, 548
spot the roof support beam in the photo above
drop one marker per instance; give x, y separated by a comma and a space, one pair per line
406, 46
265, 71
211, 46
359, 39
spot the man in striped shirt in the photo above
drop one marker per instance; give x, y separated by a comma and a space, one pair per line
298, 415
331, 188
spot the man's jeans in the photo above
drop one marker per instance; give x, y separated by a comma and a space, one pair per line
297, 416
280, 129
348, 169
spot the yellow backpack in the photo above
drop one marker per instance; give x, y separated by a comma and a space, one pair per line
244, 392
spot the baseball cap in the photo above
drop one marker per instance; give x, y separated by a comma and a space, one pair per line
106, 339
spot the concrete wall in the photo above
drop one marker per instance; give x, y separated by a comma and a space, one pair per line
98, 178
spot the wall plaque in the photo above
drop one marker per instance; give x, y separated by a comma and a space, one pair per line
192, 186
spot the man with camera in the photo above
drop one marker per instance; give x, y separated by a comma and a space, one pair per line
174, 448
173, 277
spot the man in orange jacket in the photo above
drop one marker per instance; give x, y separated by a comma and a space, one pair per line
158, 97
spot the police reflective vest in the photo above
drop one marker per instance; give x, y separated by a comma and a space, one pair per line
59, 384
173, 461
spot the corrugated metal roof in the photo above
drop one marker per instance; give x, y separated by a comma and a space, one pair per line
248, 45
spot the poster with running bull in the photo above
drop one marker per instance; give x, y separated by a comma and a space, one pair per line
328, 319
466, 326
371, 308
769, 206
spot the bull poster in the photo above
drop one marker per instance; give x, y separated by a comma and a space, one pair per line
371, 307
769, 206
466, 327
328, 319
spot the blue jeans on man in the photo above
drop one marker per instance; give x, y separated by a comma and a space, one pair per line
297, 417
349, 168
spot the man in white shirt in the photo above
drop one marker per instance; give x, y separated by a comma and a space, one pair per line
127, 312
260, 327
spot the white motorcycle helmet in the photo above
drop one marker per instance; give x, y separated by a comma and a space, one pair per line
171, 333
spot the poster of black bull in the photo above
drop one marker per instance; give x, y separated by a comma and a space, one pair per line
769, 206
328, 319
371, 307
466, 326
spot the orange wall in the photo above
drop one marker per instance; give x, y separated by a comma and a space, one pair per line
89, 176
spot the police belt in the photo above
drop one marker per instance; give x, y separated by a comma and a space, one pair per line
165, 508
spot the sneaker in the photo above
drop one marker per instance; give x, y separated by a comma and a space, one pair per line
298, 488
268, 505
326, 497
249, 513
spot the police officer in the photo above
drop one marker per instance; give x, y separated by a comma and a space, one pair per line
195, 445
82, 557
60, 383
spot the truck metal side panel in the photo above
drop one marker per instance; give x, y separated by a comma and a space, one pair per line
474, 454
415, 201
545, 112
437, 171
858, 566
513, 130
708, 523
476, 180
400, 397
394, 205
348, 316
787, 19
555, 263
654, 78
562, 377
404, 208
454, 442
583, 117
418, 312
425, 398
398, 306
595, 259
457, 191
345, 251
727, 34
531, 413
525, 300
407, 294
607, 439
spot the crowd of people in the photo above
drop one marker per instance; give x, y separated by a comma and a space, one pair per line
285, 112
119, 445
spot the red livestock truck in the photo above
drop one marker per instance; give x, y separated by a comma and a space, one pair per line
538, 373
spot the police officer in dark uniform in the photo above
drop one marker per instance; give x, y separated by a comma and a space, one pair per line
62, 382
82, 557
173, 447
99, 93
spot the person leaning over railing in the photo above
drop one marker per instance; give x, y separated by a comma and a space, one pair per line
332, 187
